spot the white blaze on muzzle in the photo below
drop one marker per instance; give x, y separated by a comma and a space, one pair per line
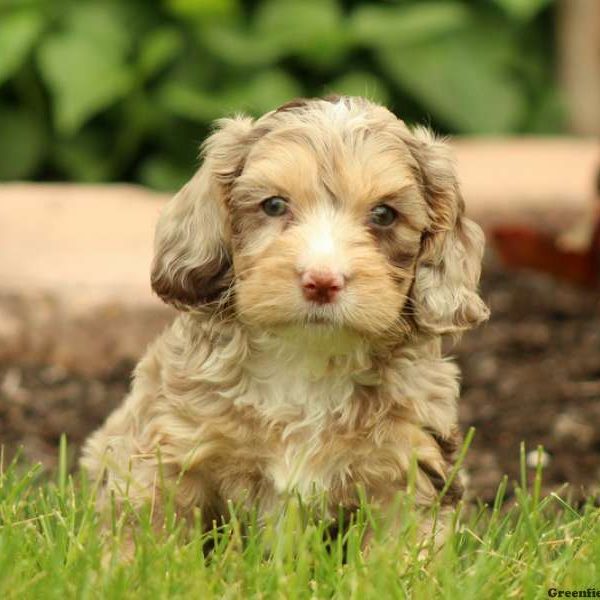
322, 247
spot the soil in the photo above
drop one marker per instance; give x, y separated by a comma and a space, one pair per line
531, 374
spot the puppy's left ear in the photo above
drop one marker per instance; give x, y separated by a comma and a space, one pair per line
444, 294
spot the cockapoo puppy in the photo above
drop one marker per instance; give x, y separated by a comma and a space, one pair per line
317, 258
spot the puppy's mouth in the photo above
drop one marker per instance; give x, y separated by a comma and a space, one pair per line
323, 315
318, 320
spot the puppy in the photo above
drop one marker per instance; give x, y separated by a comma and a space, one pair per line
317, 258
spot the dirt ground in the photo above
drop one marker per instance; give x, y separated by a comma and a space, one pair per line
532, 374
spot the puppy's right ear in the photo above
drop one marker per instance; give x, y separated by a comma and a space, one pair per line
192, 264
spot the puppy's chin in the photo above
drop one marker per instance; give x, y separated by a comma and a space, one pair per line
324, 316
318, 336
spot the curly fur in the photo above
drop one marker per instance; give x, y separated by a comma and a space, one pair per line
252, 393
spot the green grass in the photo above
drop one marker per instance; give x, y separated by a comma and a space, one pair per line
50, 547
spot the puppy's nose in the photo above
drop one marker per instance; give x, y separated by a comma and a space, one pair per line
321, 286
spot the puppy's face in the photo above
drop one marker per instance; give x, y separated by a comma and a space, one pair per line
325, 214
326, 227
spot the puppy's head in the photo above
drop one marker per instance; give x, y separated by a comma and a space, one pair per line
325, 213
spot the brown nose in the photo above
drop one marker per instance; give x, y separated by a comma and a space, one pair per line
321, 287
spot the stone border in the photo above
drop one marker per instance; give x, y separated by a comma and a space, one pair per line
74, 289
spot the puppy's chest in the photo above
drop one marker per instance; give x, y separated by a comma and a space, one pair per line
307, 453
309, 408
309, 464
298, 389
293, 469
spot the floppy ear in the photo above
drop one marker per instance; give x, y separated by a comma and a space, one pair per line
192, 263
444, 294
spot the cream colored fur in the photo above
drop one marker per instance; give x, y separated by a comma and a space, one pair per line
253, 392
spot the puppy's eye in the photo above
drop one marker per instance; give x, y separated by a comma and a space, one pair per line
275, 206
383, 215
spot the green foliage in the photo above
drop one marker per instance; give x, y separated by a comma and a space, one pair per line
522, 9
21, 143
98, 90
18, 31
51, 546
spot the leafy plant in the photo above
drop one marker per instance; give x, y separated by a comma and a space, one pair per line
101, 90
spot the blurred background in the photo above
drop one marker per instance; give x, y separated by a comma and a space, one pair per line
105, 90
96, 92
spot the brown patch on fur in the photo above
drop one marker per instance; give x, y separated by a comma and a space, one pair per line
302, 103
449, 446
333, 98
293, 104
449, 450
401, 252
196, 286
454, 492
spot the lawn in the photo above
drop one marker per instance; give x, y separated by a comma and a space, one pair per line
51, 547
